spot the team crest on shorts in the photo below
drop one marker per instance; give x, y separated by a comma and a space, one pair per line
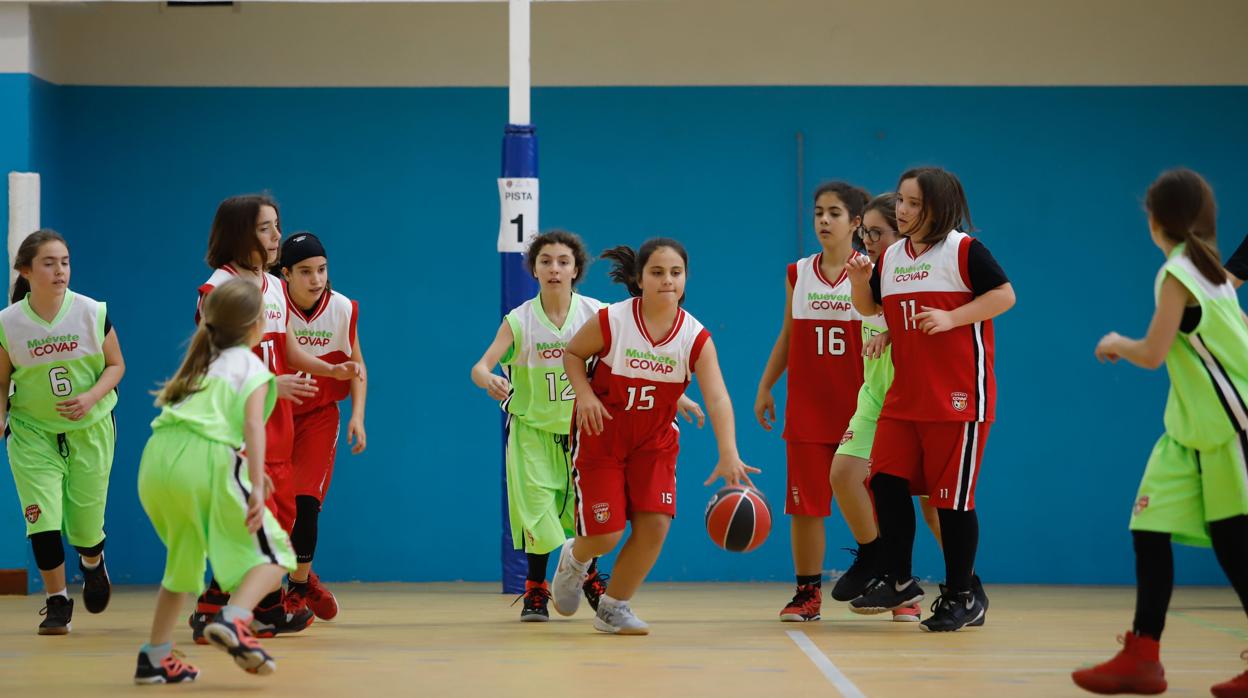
1141, 504
959, 401
602, 512
32, 513
849, 436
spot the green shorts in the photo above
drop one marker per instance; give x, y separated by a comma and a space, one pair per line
1184, 489
62, 479
541, 503
861, 432
195, 492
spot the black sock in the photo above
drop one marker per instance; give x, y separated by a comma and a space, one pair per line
292, 585
1230, 543
1154, 581
895, 513
959, 531
593, 568
537, 567
815, 579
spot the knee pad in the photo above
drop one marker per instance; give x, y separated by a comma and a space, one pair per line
49, 553
93, 551
303, 534
890, 485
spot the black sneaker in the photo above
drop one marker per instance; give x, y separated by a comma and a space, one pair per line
96, 589
857, 579
595, 586
58, 612
172, 669
885, 596
977, 588
953, 611
536, 603
208, 605
279, 620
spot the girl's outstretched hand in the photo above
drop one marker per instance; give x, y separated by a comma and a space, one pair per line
859, 270
733, 471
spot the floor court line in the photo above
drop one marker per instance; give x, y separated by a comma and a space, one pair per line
825, 665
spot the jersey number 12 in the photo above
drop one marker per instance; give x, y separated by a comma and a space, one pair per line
552, 386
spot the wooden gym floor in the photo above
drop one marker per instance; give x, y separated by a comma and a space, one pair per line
717, 640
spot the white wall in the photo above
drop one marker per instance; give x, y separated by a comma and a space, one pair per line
14, 38
652, 42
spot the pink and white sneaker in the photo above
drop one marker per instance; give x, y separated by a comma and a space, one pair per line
907, 614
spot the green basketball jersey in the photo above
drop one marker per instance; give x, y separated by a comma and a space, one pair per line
55, 361
1208, 366
218, 411
540, 393
877, 374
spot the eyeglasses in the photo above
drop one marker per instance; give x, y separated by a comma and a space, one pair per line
870, 234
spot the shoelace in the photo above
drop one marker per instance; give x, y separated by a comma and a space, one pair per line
245, 637
175, 663
597, 583
536, 592
805, 594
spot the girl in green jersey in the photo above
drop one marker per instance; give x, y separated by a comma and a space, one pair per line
1195, 486
64, 362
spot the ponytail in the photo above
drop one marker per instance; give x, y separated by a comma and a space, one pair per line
194, 367
230, 312
624, 268
1181, 203
25, 257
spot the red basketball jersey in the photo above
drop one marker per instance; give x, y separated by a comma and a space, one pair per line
640, 378
327, 332
825, 355
938, 377
279, 430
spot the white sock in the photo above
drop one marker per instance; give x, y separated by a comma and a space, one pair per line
62, 592
609, 601
155, 653
88, 566
577, 565
231, 613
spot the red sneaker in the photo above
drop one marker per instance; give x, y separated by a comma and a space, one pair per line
320, 600
1235, 688
1135, 669
805, 605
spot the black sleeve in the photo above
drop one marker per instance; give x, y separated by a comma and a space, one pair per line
1238, 263
875, 284
983, 269
108, 323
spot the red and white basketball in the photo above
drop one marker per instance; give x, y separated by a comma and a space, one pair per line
738, 519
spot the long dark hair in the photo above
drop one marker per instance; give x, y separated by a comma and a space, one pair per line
580, 256
1182, 204
627, 264
944, 203
25, 257
230, 311
233, 238
855, 198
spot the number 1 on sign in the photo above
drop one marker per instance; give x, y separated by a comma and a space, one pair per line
519, 221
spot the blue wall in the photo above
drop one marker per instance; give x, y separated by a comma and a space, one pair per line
400, 184
15, 96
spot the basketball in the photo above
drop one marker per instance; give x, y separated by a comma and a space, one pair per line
738, 519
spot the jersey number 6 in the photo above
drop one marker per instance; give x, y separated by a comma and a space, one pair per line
58, 377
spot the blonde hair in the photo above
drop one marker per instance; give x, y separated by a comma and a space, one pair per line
229, 313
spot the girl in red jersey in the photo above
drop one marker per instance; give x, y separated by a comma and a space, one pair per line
243, 243
820, 346
625, 439
939, 290
323, 323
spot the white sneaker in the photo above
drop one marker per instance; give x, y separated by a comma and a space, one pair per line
618, 618
565, 587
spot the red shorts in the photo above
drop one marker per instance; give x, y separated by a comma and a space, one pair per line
809, 483
316, 444
940, 459
281, 500
618, 473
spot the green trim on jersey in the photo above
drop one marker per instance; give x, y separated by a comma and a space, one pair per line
541, 396
55, 361
218, 410
1208, 367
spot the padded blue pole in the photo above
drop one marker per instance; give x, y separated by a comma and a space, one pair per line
518, 286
